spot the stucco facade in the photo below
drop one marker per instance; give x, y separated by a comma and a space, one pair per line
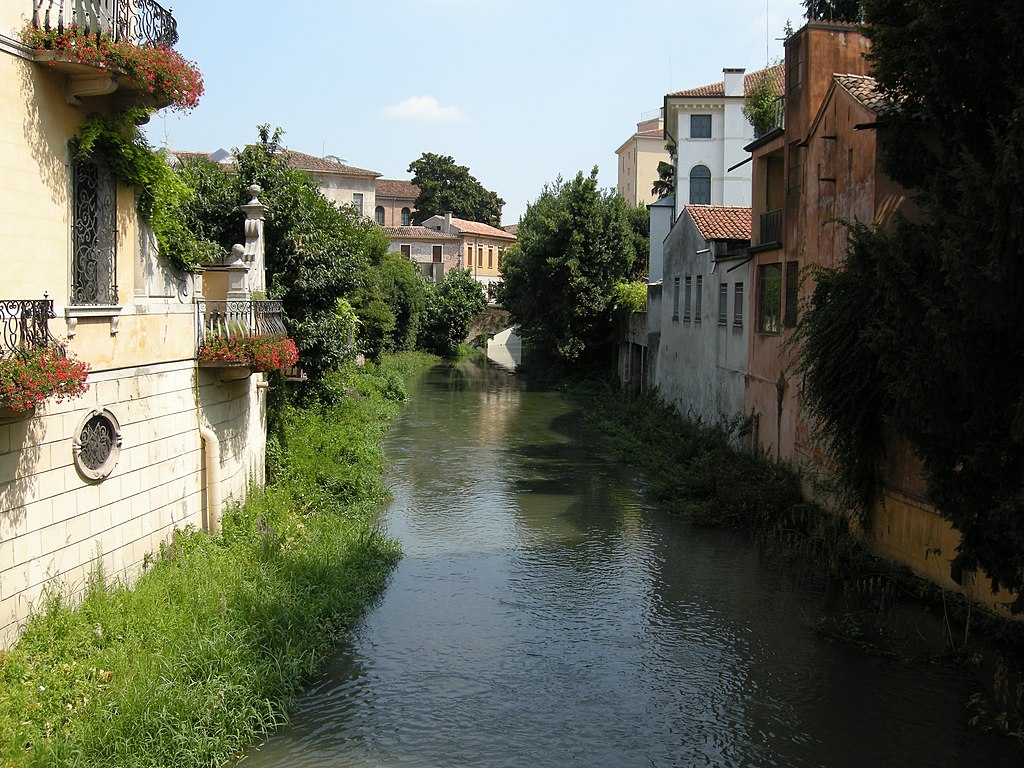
339, 183
482, 247
702, 353
638, 159
435, 252
185, 438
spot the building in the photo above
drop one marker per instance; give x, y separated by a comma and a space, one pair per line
709, 131
482, 246
396, 202
340, 183
434, 252
638, 159
702, 353
99, 482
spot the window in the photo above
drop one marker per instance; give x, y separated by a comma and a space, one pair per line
675, 298
723, 303
795, 169
700, 126
794, 77
378, 214
435, 253
687, 285
737, 306
490, 257
792, 293
480, 256
469, 257
94, 278
501, 254
700, 185
769, 298
357, 201
406, 250
406, 217
698, 300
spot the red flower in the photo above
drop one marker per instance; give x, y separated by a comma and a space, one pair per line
32, 375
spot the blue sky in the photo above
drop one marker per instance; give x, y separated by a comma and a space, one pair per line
519, 90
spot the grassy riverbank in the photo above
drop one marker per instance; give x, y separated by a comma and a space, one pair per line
207, 650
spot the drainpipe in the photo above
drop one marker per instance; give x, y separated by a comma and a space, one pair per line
213, 503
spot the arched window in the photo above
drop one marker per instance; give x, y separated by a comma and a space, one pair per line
378, 214
700, 185
406, 214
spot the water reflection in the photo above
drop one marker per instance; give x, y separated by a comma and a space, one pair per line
546, 614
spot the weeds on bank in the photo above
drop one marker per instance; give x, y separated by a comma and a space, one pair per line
208, 649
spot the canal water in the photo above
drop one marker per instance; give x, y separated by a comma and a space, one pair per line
546, 614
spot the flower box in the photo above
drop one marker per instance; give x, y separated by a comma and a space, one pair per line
31, 375
255, 353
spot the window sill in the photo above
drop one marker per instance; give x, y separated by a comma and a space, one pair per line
74, 313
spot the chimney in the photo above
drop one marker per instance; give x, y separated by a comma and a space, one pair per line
447, 223
733, 81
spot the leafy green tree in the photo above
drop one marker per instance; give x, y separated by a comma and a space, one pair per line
834, 10
639, 220
451, 307
935, 304
559, 280
665, 184
761, 104
445, 186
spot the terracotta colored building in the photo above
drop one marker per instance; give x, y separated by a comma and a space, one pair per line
396, 202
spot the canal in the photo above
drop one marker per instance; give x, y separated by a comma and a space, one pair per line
546, 614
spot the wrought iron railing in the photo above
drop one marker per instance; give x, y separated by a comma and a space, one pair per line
139, 22
238, 319
771, 227
26, 325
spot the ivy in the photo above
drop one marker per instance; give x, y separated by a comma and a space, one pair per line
162, 195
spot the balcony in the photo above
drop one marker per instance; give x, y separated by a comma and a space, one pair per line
771, 117
241, 337
770, 232
26, 325
137, 22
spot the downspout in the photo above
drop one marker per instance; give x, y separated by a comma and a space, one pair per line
211, 447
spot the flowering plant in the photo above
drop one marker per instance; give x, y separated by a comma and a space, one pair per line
159, 70
31, 375
261, 353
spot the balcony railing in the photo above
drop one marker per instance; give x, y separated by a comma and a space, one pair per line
771, 227
772, 118
26, 324
139, 22
238, 319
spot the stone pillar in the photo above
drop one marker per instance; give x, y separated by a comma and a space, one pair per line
254, 246
238, 289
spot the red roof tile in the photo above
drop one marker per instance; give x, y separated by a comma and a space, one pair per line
749, 82
305, 162
396, 188
477, 228
721, 222
417, 233
865, 90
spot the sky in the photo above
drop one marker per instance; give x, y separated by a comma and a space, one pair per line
520, 91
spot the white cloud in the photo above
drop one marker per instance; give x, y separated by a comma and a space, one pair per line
425, 109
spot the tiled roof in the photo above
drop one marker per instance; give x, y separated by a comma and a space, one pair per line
417, 233
721, 222
396, 188
750, 81
512, 229
656, 133
865, 90
484, 230
305, 162
184, 157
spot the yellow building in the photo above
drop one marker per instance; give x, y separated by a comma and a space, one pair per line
638, 160
157, 442
482, 247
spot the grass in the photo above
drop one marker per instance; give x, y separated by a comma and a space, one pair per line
209, 648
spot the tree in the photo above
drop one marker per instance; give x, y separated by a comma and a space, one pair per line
451, 307
936, 303
445, 186
665, 184
559, 280
834, 10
